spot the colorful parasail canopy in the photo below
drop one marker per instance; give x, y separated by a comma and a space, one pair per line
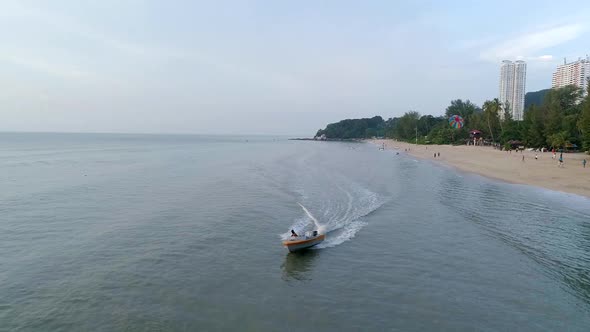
456, 121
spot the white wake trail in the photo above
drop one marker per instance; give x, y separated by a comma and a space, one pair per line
319, 227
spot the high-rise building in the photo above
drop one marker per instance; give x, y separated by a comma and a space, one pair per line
573, 73
512, 87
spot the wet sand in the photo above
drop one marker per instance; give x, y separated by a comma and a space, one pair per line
502, 165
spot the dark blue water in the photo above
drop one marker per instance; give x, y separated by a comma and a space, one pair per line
182, 233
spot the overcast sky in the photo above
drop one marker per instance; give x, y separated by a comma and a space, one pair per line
266, 67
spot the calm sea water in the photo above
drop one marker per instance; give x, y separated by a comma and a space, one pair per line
182, 233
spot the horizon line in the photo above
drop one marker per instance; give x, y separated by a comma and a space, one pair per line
141, 133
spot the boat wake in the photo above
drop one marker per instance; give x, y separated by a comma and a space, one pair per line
341, 218
320, 228
343, 225
333, 199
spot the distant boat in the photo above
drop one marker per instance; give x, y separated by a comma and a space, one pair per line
310, 239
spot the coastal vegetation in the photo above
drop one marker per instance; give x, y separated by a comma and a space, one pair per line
560, 120
355, 128
534, 97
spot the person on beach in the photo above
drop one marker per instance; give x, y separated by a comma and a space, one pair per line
561, 160
584, 163
523, 158
435, 155
536, 156
439, 154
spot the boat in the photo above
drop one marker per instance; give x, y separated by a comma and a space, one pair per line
310, 239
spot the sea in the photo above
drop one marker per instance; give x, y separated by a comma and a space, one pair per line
122, 232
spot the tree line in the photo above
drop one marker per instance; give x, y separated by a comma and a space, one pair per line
562, 119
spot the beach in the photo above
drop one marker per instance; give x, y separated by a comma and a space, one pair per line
507, 166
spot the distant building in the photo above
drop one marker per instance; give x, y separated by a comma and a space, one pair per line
573, 73
513, 87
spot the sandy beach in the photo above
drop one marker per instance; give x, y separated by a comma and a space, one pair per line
502, 165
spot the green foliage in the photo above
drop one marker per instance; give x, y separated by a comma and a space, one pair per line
491, 117
426, 124
556, 121
512, 131
562, 117
407, 126
584, 122
559, 140
354, 128
535, 98
442, 135
534, 127
462, 108
562, 111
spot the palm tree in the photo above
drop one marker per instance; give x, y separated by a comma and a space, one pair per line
490, 109
498, 107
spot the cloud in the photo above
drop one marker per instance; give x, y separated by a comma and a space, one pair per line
41, 65
528, 45
540, 58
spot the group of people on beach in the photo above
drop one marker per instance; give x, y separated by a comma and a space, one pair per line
560, 161
554, 156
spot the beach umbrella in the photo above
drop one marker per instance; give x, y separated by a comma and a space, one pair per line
456, 121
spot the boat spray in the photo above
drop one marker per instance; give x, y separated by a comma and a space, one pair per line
319, 227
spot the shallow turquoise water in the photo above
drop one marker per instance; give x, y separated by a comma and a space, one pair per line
182, 233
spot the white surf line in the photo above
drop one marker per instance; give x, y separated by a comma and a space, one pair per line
315, 221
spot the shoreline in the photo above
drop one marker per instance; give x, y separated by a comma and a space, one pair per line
505, 166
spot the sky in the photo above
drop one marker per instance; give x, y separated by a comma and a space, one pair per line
266, 67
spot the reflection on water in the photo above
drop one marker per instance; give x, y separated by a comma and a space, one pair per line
298, 265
